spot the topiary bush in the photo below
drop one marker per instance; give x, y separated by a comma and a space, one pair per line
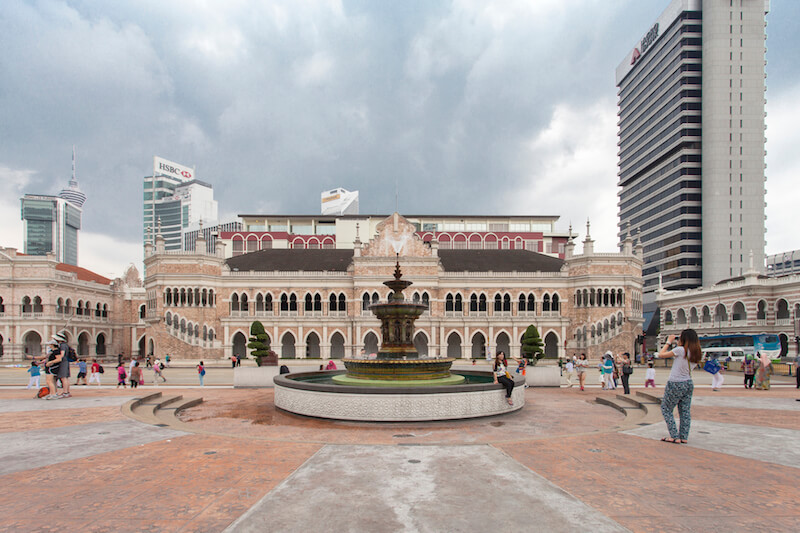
532, 345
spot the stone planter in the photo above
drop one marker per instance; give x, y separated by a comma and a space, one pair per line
253, 376
543, 376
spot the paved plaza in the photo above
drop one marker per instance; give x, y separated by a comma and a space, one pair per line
235, 463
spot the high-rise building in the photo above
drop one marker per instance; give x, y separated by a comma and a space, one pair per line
51, 223
339, 202
176, 203
691, 142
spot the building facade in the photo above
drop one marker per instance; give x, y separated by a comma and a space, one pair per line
748, 304
691, 142
783, 263
40, 296
314, 303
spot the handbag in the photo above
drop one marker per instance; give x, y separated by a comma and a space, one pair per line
627, 370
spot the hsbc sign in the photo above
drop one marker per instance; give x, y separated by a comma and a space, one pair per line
647, 40
162, 166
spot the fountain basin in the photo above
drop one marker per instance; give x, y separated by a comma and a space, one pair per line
317, 394
405, 370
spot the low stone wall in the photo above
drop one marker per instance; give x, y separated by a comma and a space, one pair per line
543, 376
254, 376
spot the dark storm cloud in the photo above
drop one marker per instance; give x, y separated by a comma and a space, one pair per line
276, 101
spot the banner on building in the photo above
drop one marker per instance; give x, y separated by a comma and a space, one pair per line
163, 166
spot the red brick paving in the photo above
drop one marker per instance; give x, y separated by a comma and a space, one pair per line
162, 486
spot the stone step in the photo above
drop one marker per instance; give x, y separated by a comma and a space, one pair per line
169, 415
649, 397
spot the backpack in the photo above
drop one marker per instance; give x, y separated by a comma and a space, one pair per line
100, 369
42, 392
71, 355
202, 371
627, 370
711, 366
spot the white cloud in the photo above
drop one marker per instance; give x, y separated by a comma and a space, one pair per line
107, 255
14, 183
783, 170
573, 166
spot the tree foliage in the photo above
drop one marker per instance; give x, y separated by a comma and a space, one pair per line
532, 345
259, 342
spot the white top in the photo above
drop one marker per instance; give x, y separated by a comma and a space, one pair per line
650, 373
570, 366
680, 366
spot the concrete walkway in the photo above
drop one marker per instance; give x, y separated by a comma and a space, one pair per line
561, 464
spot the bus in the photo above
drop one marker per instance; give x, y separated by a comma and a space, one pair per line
738, 346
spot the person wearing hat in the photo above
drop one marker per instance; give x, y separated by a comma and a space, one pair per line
51, 365
63, 369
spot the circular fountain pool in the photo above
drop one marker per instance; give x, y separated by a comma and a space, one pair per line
318, 394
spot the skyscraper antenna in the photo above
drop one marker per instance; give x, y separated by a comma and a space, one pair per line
73, 163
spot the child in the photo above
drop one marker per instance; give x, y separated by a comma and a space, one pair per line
201, 372
650, 376
34, 372
749, 369
121, 375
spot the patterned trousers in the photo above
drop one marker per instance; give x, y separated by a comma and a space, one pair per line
678, 393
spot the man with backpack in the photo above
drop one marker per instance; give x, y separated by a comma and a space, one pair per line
63, 369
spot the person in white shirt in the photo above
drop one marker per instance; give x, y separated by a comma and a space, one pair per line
570, 371
650, 376
679, 388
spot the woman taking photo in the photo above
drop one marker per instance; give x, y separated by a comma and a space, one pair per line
679, 387
502, 375
580, 366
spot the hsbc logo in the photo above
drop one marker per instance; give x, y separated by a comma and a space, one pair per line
174, 170
647, 40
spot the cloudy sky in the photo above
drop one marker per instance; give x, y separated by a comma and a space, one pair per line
472, 106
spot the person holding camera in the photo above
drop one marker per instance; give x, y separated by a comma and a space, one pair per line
679, 389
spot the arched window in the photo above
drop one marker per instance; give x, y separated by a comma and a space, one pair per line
211, 300
205, 333
317, 302
37, 305
78, 308
342, 302
521, 303
668, 317
507, 302
268, 302
98, 311
234, 302
284, 302
67, 307
105, 311
426, 299
473, 303
481, 303
204, 297
183, 325
498, 303
365, 302
739, 312
332, 303
546, 303
26, 305
554, 306
243, 302
448, 303
309, 303
375, 297
259, 303
142, 311
531, 303
761, 313
292, 302
459, 304
169, 318
781, 310
59, 305
681, 317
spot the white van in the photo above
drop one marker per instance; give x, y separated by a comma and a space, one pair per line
735, 353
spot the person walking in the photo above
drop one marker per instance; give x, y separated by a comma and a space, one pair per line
570, 372
627, 370
650, 376
679, 389
797, 369
502, 376
158, 368
608, 372
81, 372
764, 371
716, 373
136, 376
749, 369
201, 373
94, 374
51, 366
582, 364
34, 372
121, 376
63, 368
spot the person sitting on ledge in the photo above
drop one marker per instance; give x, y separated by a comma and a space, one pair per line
502, 375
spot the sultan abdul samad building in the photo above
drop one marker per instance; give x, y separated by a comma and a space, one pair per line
313, 301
